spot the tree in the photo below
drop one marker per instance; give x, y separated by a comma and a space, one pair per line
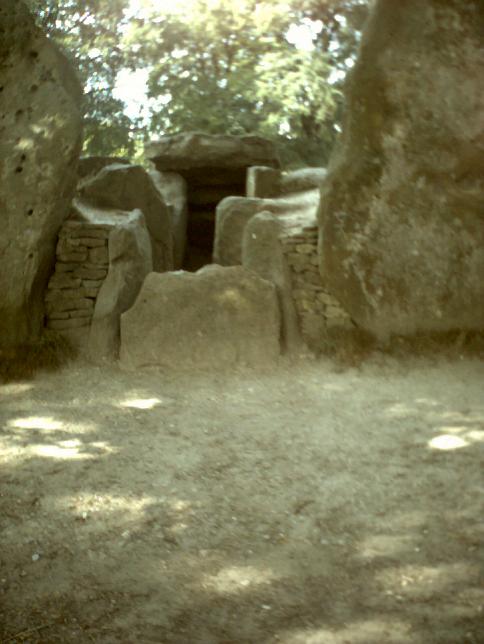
215, 65
89, 31
230, 67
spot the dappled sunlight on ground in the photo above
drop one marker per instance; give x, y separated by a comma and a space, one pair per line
304, 505
373, 631
236, 579
446, 442
387, 545
141, 403
86, 504
36, 422
45, 436
422, 581
14, 388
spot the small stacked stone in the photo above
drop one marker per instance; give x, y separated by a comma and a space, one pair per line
81, 267
317, 310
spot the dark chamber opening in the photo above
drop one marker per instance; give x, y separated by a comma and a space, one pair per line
206, 188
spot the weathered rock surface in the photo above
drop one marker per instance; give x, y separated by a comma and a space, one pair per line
127, 187
301, 180
196, 150
263, 182
216, 318
130, 261
402, 210
94, 164
173, 189
266, 183
214, 168
40, 141
262, 253
232, 215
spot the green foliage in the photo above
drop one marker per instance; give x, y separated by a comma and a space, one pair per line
229, 67
217, 66
89, 32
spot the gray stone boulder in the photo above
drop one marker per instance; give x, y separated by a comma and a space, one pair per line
197, 150
266, 183
92, 165
231, 217
40, 142
130, 260
215, 318
301, 180
173, 189
127, 187
233, 214
402, 210
263, 182
263, 254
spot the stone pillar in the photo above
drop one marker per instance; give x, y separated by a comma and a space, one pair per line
402, 210
40, 142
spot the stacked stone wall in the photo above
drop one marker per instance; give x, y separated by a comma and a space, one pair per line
82, 261
316, 309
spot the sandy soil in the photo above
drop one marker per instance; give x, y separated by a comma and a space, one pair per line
302, 505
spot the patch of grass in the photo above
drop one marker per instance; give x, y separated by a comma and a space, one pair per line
49, 353
351, 347
348, 347
449, 344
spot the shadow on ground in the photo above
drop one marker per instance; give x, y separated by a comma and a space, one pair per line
299, 506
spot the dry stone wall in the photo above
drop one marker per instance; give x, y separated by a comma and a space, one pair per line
316, 309
81, 267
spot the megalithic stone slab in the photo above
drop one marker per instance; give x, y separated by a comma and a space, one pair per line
217, 318
402, 210
130, 261
128, 187
40, 142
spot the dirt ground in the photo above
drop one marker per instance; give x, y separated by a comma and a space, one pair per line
302, 505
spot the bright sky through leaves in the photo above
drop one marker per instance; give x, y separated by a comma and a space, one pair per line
131, 86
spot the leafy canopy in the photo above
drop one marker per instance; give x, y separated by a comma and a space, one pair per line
218, 66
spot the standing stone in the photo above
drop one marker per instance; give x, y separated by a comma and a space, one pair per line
402, 210
216, 318
173, 189
232, 216
263, 182
263, 254
129, 262
127, 187
40, 142
301, 180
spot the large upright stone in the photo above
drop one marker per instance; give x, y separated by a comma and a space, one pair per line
216, 318
40, 141
402, 211
232, 216
173, 189
262, 253
127, 187
129, 262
